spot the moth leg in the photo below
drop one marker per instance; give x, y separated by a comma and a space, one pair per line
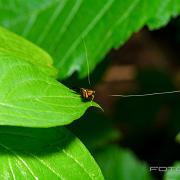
92, 97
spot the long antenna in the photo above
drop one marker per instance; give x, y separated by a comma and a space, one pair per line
87, 62
147, 94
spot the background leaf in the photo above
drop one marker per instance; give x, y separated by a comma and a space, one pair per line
178, 138
117, 163
174, 174
51, 153
58, 26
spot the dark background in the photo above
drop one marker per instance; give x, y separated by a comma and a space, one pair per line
148, 62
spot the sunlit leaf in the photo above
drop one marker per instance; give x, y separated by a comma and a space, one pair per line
30, 98
28, 95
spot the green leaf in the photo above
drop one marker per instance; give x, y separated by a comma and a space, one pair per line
58, 26
178, 138
117, 163
28, 97
14, 46
174, 173
49, 153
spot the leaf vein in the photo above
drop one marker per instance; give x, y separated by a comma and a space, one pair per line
23, 161
76, 161
11, 169
45, 164
86, 31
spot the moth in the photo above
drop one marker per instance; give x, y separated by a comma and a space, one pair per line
87, 94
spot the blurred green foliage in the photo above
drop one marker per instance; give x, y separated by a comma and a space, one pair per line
117, 163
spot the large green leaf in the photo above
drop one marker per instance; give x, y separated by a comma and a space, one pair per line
117, 163
49, 153
28, 97
58, 26
14, 46
173, 173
